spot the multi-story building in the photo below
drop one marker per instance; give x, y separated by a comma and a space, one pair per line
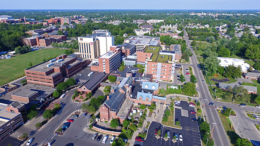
101, 44
141, 32
52, 72
160, 71
5, 17
53, 20
10, 119
44, 40
150, 27
168, 28
126, 49
65, 20
139, 21
108, 62
142, 41
89, 47
103, 31
176, 49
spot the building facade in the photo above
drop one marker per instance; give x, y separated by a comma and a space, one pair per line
108, 62
160, 71
65, 20
89, 47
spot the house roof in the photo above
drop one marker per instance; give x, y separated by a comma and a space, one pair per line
144, 96
90, 84
147, 26
115, 100
150, 85
254, 73
232, 85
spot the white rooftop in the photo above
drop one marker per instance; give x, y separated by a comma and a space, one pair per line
234, 61
108, 54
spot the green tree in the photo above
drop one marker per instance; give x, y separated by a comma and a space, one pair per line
182, 79
31, 114
193, 79
132, 127
61, 86
223, 52
112, 78
211, 39
167, 113
38, 125
165, 118
166, 135
56, 94
107, 89
84, 106
233, 72
193, 43
257, 65
252, 52
118, 142
205, 127
257, 99
114, 123
189, 89
221, 70
126, 123
24, 82
60, 32
47, 114
243, 142
142, 106
71, 82
211, 63
30, 64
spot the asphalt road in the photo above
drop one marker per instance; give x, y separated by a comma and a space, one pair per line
219, 135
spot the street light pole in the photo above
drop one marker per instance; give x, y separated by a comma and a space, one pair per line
212, 129
207, 141
230, 112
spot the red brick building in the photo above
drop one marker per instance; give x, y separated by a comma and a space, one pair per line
160, 71
52, 72
142, 56
108, 62
44, 40
54, 20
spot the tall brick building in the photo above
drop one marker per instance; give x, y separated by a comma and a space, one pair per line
52, 72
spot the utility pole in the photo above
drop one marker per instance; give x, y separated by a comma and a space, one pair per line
207, 141
230, 112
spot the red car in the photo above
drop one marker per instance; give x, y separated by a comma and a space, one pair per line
70, 120
139, 139
192, 112
156, 130
187, 73
192, 104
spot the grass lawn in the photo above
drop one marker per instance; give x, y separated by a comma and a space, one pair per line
200, 59
219, 77
253, 84
251, 62
164, 58
171, 122
232, 136
251, 116
255, 81
154, 57
152, 50
14, 67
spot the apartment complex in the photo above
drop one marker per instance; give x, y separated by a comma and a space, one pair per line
52, 72
108, 62
160, 71
96, 44
168, 28
10, 119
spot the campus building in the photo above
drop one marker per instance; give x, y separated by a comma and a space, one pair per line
108, 62
10, 120
142, 41
170, 27
125, 94
52, 72
126, 49
141, 32
65, 20
94, 45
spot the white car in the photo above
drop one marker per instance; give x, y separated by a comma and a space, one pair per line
30, 141
180, 137
112, 139
141, 113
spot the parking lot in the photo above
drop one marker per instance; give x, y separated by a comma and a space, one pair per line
190, 130
185, 70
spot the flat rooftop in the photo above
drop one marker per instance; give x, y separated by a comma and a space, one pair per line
143, 40
43, 66
161, 58
5, 116
25, 93
128, 69
152, 49
124, 110
108, 54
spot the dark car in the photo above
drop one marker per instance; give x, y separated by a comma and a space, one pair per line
211, 103
156, 131
99, 137
242, 105
194, 120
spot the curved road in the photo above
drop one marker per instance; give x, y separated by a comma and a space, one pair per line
219, 135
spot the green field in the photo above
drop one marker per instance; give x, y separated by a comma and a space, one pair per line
219, 77
13, 68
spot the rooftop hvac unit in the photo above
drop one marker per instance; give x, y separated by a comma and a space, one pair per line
49, 65
53, 60
59, 60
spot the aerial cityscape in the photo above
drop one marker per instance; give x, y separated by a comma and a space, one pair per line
130, 73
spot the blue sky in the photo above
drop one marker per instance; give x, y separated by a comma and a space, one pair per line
132, 4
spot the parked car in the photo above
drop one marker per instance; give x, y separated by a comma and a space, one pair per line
156, 131
168, 134
211, 103
176, 135
70, 120
242, 105
191, 104
74, 117
180, 137
95, 136
177, 102
194, 120
258, 106
256, 116
137, 118
105, 139
85, 114
203, 80
187, 73
99, 137
30, 141
139, 139
64, 127
141, 113
112, 139
67, 123
192, 112
187, 69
